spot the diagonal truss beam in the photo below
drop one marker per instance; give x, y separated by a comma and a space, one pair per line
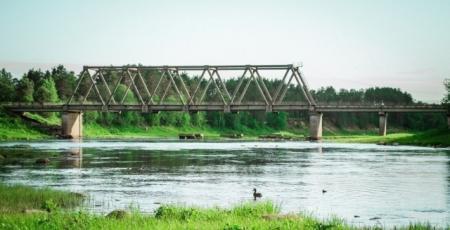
170, 77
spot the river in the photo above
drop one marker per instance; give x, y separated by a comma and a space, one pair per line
395, 184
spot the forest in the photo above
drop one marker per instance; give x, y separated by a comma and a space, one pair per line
57, 85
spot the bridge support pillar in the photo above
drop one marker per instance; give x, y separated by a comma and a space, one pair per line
72, 125
315, 125
382, 123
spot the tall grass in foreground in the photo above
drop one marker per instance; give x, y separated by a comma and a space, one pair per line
18, 198
253, 215
261, 215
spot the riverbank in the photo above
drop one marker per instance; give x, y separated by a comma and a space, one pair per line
22, 199
432, 138
50, 212
12, 128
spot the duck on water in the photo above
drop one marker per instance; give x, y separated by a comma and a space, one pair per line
256, 194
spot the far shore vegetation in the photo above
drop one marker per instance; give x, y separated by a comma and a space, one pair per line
23, 207
57, 85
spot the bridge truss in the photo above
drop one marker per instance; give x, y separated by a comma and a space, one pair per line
153, 85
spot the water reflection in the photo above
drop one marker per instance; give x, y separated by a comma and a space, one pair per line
397, 184
72, 158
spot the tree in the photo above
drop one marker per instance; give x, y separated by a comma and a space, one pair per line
7, 92
25, 90
36, 76
446, 99
47, 91
65, 81
277, 120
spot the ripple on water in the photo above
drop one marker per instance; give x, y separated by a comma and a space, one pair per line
399, 184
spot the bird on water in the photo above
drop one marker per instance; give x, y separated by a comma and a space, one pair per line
256, 194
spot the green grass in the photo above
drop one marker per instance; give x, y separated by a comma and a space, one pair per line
93, 130
17, 198
54, 119
252, 215
439, 137
260, 215
99, 131
15, 129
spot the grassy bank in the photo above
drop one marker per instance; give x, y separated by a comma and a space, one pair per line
98, 131
12, 128
435, 138
254, 215
19, 199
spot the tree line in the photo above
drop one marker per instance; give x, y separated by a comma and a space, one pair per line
57, 85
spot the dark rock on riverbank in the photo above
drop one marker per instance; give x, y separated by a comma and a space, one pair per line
233, 135
42, 161
118, 214
192, 136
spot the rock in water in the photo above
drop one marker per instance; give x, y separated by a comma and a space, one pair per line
42, 161
118, 214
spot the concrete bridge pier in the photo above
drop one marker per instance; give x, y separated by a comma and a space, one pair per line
383, 123
72, 125
315, 125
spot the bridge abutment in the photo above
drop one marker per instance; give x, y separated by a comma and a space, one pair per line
382, 123
315, 125
72, 125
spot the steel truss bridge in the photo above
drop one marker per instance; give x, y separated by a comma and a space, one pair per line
151, 91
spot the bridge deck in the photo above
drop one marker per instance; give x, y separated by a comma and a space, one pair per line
221, 107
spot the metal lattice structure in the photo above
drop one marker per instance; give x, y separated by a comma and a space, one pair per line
151, 94
165, 88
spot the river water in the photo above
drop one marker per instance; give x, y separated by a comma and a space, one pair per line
395, 184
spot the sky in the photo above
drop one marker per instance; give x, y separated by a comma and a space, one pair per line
346, 44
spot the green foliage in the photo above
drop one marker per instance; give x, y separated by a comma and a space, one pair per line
446, 99
57, 84
50, 206
12, 128
7, 91
277, 120
25, 90
259, 215
64, 80
17, 198
47, 91
198, 119
36, 76
153, 119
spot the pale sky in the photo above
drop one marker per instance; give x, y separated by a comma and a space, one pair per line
346, 44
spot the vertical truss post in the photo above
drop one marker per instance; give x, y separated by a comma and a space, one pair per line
78, 85
305, 87
280, 86
236, 90
116, 87
191, 99
286, 87
176, 87
170, 75
107, 87
156, 88
252, 71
